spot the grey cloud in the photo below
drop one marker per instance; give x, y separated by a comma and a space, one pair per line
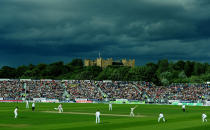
119, 28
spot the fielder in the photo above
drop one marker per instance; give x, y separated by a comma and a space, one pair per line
204, 116
183, 108
33, 106
132, 109
16, 112
97, 116
60, 108
161, 117
110, 107
27, 105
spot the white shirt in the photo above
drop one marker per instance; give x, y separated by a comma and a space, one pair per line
110, 105
183, 106
15, 111
60, 106
97, 113
161, 115
132, 109
204, 115
33, 105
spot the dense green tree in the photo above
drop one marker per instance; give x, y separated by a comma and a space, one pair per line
189, 68
164, 81
182, 75
162, 66
20, 71
7, 72
179, 65
77, 62
56, 69
162, 73
90, 72
199, 69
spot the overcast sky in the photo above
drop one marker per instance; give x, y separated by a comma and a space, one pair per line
45, 31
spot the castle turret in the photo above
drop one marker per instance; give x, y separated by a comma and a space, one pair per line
104, 63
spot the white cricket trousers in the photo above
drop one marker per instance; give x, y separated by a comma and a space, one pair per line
97, 119
60, 110
110, 108
15, 114
160, 118
132, 114
204, 119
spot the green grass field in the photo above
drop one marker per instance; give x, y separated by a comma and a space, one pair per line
81, 117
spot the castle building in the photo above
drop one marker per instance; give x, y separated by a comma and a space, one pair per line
109, 62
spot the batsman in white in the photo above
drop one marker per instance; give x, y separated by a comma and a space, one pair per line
110, 107
161, 116
27, 104
204, 116
16, 112
60, 108
183, 108
98, 116
132, 109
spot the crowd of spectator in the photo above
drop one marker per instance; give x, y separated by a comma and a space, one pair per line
181, 91
120, 90
74, 89
17, 89
11, 89
83, 89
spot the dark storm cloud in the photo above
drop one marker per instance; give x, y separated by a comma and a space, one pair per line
142, 29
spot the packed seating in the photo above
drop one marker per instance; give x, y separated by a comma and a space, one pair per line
83, 89
99, 90
120, 90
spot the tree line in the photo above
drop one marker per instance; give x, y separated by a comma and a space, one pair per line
161, 73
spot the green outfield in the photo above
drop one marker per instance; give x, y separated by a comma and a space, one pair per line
81, 117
